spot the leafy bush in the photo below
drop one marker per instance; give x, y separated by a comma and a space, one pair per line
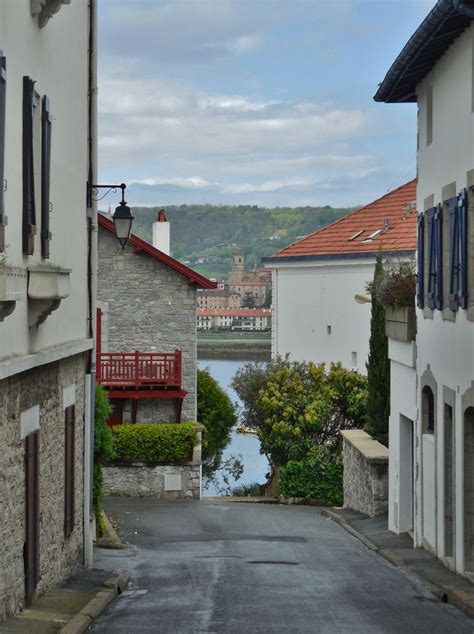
246, 490
217, 413
103, 450
317, 476
154, 442
397, 289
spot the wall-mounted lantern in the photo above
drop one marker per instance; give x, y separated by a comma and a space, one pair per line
122, 217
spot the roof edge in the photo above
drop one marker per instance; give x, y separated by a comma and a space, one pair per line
366, 255
149, 249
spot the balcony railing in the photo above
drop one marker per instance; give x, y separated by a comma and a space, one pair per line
161, 370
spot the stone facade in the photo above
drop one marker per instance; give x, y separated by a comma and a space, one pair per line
59, 557
151, 308
166, 481
365, 473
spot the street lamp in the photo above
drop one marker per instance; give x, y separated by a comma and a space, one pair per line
122, 217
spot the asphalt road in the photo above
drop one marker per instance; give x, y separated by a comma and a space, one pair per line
213, 566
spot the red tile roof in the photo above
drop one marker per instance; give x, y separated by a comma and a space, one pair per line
335, 239
149, 249
234, 312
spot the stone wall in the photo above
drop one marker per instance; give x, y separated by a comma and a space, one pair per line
166, 481
59, 557
158, 480
365, 473
150, 308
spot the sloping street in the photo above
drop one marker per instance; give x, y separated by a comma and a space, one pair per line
215, 566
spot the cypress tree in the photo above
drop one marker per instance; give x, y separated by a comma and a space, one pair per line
378, 365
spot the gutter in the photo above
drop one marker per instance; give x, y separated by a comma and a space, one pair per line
337, 256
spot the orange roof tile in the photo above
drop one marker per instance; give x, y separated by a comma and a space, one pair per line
335, 239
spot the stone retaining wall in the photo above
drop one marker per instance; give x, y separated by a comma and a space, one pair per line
166, 481
365, 473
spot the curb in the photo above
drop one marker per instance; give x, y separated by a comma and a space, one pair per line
447, 594
112, 588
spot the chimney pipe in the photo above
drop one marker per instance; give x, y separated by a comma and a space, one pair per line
161, 232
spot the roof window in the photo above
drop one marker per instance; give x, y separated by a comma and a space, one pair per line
373, 235
356, 235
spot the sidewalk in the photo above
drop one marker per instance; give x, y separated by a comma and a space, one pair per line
71, 607
398, 549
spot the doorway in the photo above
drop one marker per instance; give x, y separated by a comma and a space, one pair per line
31, 552
407, 472
469, 490
448, 482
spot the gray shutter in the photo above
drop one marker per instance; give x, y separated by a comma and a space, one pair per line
463, 258
29, 205
45, 176
3, 92
454, 259
420, 275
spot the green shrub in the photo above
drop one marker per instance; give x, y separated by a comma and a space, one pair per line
103, 450
246, 490
155, 442
318, 476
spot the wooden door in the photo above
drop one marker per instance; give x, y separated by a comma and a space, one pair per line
31, 548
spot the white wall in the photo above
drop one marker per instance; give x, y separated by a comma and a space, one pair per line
309, 297
446, 348
56, 57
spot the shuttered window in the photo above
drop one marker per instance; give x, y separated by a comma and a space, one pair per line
45, 176
69, 460
3, 91
458, 210
435, 261
31, 548
29, 205
420, 275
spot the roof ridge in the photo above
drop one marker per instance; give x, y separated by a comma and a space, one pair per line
335, 222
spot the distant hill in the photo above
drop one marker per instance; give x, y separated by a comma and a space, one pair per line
204, 236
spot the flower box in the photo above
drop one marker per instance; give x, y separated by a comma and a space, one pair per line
400, 323
47, 286
48, 282
13, 283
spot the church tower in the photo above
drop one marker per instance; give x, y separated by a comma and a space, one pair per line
237, 271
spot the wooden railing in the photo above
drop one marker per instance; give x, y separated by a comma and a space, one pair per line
138, 369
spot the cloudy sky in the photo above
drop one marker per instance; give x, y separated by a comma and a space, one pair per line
266, 102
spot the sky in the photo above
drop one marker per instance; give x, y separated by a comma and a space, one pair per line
265, 102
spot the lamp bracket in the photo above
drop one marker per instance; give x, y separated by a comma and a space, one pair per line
93, 192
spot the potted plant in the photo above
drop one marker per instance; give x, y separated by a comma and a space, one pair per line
397, 294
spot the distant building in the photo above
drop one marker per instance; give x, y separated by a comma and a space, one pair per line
252, 294
238, 266
217, 298
236, 320
315, 317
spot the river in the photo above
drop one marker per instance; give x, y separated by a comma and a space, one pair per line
247, 445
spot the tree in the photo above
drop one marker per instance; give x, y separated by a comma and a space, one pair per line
378, 365
300, 406
217, 413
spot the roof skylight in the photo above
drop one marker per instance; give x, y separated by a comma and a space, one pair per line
356, 235
373, 235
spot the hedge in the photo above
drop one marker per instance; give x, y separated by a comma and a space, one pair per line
155, 442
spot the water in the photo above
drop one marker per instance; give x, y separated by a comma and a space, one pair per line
248, 446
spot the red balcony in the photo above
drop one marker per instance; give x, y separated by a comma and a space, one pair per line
139, 370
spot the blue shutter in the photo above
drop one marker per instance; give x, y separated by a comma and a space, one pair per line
420, 276
454, 259
462, 234
431, 257
438, 281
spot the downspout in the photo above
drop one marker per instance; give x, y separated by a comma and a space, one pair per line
92, 264
462, 7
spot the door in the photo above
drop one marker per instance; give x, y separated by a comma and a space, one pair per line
116, 417
449, 531
31, 548
407, 480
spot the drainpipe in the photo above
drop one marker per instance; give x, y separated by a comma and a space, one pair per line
92, 234
464, 8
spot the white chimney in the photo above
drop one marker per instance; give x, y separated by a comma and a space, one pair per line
161, 233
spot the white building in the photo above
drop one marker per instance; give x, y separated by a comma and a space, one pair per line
315, 316
45, 310
432, 410
238, 319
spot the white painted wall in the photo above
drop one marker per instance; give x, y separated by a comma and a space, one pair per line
445, 347
56, 57
310, 296
402, 415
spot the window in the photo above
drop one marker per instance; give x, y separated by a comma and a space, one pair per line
435, 269
420, 264
29, 204
3, 90
457, 210
356, 235
69, 468
427, 410
45, 176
